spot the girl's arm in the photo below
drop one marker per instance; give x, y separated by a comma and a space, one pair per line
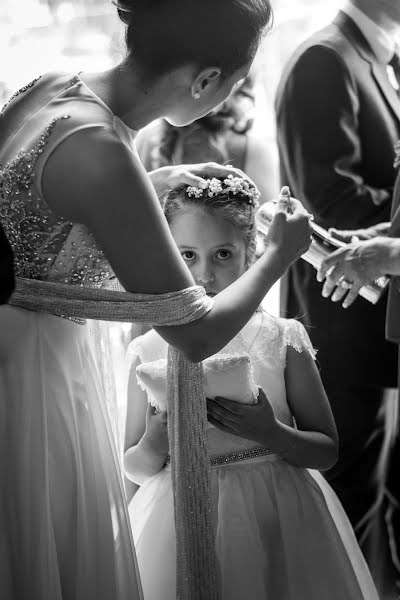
109, 191
313, 444
146, 436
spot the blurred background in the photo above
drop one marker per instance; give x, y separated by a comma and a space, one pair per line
76, 35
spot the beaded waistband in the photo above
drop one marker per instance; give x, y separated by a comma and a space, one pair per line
232, 457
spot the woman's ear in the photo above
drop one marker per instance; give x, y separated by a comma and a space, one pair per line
207, 78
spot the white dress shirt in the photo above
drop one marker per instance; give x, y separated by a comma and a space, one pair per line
382, 44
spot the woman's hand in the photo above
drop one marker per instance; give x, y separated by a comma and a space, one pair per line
250, 421
290, 230
168, 178
348, 269
156, 433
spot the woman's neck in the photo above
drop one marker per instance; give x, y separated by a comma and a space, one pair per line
129, 97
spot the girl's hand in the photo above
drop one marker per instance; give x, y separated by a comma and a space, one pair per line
156, 433
254, 422
290, 230
168, 178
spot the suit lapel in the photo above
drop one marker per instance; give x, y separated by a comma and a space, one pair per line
356, 38
380, 75
395, 216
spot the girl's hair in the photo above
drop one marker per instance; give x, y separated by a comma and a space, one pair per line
236, 209
165, 34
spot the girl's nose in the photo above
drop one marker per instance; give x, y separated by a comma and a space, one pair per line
205, 275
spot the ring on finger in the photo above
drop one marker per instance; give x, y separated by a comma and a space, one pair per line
345, 284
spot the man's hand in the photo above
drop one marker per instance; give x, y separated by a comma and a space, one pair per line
348, 269
354, 235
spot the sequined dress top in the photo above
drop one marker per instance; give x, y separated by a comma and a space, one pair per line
33, 123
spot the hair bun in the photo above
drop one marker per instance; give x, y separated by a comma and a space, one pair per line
125, 8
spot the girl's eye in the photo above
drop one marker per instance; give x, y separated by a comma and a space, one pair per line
188, 255
223, 254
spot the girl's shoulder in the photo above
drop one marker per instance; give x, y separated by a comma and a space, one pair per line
147, 348
278, 333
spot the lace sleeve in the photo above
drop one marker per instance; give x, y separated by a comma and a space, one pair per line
295, 335
134, 352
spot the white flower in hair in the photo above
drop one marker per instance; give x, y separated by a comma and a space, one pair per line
192, 190
214, 187
231, 185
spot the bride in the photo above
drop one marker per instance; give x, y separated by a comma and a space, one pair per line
78, 210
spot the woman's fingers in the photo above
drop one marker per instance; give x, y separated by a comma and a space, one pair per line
213, 169
188, 178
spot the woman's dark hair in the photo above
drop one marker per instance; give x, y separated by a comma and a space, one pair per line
165, 34
235, 209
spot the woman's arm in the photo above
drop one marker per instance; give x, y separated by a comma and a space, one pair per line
146, 436
313, 444
110, 192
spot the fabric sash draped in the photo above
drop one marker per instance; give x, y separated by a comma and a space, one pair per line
187, 414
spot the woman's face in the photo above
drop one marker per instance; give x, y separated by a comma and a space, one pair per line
188, 109
213, 248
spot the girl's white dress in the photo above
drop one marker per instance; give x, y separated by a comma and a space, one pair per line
281, 533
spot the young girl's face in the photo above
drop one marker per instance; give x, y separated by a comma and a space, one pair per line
213, 248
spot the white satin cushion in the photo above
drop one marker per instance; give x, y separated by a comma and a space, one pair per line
228, 376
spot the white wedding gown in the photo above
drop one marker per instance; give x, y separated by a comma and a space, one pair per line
64, 525
281, 533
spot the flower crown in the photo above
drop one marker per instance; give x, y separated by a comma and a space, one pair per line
231, 185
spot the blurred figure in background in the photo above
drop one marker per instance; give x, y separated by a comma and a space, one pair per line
338, 117
225, 136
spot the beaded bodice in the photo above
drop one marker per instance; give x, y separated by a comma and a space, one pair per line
32, 124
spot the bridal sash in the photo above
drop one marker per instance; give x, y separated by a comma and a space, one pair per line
187, 414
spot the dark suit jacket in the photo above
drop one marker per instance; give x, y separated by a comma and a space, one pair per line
393, 308
7, 282
338, 118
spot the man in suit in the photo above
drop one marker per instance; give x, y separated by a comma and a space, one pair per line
7, 280
338, 118
369, 255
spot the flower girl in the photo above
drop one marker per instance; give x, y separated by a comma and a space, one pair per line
280, 532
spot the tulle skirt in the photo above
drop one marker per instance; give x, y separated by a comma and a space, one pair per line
64, 524
279, 536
